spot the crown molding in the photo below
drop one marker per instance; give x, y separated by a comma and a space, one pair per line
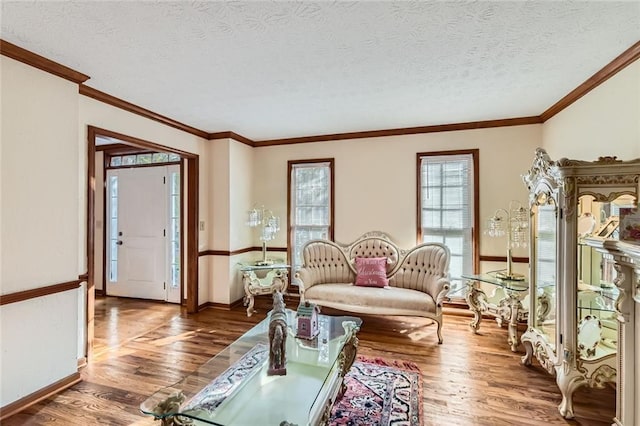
520, 121
231, 135
612, 68
22, 55
135, 109
26, 57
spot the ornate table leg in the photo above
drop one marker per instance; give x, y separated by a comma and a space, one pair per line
515, 307
348, 354
509, 310
247, 279
254, 286
474, 296
283, 276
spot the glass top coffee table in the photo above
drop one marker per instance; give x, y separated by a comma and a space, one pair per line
233, 387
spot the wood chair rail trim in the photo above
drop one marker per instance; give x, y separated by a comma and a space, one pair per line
239, 251
33, 293
503, 259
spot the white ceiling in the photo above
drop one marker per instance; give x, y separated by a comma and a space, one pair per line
271, 70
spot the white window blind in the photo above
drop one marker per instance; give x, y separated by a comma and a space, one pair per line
112, 254
546, 246
446, 200
174, 229
310, 214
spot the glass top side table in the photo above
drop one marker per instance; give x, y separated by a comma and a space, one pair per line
504, 303
263, 279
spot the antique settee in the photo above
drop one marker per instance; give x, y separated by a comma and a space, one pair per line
418, 278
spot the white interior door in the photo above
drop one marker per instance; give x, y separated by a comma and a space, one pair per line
136, 232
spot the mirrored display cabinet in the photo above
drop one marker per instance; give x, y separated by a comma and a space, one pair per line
574, 328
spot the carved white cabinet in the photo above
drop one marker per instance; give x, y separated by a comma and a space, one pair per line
576, 328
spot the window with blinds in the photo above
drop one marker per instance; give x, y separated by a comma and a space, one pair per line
545, 246
447, 199
311, 205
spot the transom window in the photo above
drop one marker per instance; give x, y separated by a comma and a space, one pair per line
310, 205
448, 202
141, 159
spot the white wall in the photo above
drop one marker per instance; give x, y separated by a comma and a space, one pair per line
39, 228
375, 178
231, 176
43, 195
606, 121
241, 195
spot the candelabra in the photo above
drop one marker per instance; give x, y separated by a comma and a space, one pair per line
270, 226
513, 223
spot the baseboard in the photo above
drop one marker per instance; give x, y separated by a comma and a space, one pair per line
294, 298
37, 396
99, 292
223, 306
82, 362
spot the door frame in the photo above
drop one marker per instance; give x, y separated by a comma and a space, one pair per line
120, 149
191, 216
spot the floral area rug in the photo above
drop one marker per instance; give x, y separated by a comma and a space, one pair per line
380, 393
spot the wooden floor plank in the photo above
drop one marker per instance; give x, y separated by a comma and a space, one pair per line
468, 380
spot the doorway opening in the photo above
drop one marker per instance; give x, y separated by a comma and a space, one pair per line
139, 229
181, 217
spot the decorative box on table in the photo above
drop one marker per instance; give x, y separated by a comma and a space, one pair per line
307, 319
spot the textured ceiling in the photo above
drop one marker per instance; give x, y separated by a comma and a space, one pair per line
271, 70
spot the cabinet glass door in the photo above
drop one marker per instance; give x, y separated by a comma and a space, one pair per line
596, 321
545, 223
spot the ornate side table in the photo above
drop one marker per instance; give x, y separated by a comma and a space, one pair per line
504, 303
263, 279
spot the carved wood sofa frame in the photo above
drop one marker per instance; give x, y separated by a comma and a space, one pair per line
418, 277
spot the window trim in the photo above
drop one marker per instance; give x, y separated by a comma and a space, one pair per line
290, 165
475, 232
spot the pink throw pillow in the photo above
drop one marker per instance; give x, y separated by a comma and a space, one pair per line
371, 272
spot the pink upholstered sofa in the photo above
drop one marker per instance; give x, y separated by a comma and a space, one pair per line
418, 277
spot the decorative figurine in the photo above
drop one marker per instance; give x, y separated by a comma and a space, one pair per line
164, 411
307, 318
277, 337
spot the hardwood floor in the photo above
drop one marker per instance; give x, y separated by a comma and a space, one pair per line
468, 380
